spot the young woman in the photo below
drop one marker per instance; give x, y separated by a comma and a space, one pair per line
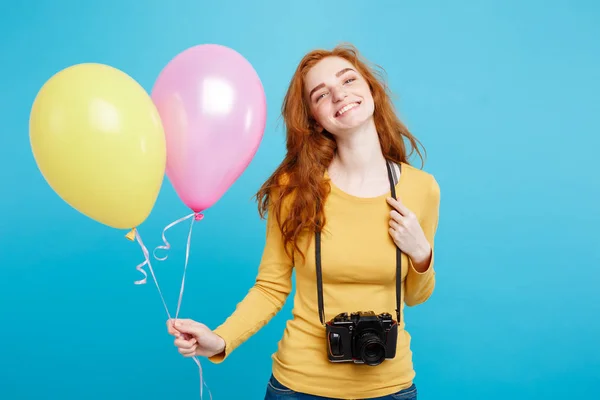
346, 211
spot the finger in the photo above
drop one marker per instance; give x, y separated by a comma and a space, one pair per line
186, 323
188, 326
394, 234
398, 206
397, 217
394, 225
182, 342
171, 329
184, 349
183, 322
188, 352
185, 344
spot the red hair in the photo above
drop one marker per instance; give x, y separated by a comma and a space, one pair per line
309, 152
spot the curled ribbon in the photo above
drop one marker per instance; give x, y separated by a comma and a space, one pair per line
167, 246
135, 235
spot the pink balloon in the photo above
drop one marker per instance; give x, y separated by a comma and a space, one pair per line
213, 109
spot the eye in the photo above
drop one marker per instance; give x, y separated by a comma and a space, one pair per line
349, 80
319, 97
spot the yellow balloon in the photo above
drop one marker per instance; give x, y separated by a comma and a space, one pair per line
98, 140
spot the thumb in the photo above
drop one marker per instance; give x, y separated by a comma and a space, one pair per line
188, 326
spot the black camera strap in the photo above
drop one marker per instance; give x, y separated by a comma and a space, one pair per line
398, 263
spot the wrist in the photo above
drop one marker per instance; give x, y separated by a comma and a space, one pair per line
422, 256
221, 344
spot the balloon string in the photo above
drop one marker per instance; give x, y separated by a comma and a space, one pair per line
167, 246
149, 264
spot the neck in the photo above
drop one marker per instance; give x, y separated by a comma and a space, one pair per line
359, 153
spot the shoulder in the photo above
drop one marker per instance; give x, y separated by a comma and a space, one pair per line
422, 181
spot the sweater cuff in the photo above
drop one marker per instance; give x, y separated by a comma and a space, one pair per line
429, 268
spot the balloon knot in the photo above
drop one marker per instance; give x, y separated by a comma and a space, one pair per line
198, 216
131, 235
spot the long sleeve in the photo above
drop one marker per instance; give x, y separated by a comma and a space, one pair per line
266, 298
420, 285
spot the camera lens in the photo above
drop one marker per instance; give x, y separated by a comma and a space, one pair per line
371, 349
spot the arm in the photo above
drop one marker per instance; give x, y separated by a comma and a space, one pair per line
265, 298
420, 280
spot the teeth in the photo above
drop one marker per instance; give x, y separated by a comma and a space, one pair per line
346, 108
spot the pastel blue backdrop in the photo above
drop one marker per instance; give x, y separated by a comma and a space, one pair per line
503, 94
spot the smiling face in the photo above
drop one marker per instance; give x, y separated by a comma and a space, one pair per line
339, 97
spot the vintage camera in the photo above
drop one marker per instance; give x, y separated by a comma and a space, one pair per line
362, 337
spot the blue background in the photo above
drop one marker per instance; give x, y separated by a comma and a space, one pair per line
503, 94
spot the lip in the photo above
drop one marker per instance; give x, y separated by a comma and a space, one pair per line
358, 102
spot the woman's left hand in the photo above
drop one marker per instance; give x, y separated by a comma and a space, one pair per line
407, 233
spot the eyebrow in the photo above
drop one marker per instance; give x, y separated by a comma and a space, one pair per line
319, 86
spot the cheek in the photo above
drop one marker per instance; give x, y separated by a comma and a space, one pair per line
368, 101
321, 113
367, 93
364, 90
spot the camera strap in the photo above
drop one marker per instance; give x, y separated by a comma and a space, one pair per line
398, 262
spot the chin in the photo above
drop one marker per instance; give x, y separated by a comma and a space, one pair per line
350, 126
358, 120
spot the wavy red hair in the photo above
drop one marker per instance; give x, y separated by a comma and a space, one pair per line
309, 152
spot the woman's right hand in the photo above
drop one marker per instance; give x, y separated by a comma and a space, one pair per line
195, 339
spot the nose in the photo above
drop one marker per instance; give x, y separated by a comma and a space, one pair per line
339, 94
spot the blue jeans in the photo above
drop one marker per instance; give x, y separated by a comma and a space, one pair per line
276, 391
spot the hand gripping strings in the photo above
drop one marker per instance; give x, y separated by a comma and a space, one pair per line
167, 246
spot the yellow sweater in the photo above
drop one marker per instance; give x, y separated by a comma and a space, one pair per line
358, 263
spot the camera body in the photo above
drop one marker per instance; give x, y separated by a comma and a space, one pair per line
362, 337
